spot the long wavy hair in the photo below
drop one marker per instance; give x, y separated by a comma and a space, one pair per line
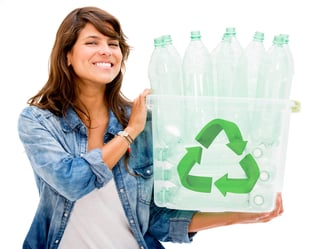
60, 91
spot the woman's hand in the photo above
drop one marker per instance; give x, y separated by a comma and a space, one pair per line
117, 147
138, 115
202, 221
263, 217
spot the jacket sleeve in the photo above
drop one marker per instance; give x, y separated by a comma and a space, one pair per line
56, 158
170, 225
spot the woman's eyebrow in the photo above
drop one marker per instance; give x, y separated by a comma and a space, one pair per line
92, 36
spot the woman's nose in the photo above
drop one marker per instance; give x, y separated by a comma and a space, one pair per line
105, 50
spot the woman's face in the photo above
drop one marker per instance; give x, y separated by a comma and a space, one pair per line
95, 58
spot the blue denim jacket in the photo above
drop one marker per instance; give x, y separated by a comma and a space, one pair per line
65, 171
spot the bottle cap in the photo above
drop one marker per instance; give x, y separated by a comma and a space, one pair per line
167, 39
278, 40
195, 35
226, 37
258, 36
230, 31
158, 42
285, 37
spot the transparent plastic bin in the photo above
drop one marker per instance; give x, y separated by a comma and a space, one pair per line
219, 154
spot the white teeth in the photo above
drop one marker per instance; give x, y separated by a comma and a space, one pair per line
103, 64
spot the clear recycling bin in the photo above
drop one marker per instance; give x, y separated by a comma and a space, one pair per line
219, 154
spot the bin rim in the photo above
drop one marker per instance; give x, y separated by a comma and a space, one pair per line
294, 105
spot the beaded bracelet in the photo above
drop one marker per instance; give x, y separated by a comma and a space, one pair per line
125, 135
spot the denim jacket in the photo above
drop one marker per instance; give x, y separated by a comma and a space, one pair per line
65, 171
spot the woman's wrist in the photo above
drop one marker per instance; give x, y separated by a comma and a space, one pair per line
132, 134
125, 136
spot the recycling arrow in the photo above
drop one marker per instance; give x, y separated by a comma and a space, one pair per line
240, 186
212, 129
192, 182
225, 184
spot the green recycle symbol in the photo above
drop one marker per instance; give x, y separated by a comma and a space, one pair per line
225, 184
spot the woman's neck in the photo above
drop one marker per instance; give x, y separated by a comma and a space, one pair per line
92, 102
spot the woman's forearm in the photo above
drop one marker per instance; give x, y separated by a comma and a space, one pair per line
202, 221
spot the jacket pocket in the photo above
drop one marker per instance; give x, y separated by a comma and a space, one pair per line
145, 183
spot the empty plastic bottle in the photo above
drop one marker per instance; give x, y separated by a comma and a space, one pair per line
229, 58
172, 50
197, 79
214, 62
196, 68
249, 66
164, 70
224, 68
289, 52
153, 72
274, 83
276, 74
225, 59
235, 44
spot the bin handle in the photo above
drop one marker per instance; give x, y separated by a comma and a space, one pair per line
295, 106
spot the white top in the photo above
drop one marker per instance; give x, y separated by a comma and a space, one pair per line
98, 221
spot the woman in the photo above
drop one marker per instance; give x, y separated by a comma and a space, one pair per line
91, 150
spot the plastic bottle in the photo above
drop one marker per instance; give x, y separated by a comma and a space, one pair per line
249, 66
225, 59
176, 87
235, 44
231, 55
274, 84
172, 50
196, 68
164, 70
276, 74
214, 63
153, 71
225, 67
289, 53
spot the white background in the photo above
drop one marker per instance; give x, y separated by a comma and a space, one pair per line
27, 33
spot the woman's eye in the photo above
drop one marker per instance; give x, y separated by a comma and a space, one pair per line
91, 43
114, 44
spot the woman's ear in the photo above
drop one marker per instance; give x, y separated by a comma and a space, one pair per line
68, 60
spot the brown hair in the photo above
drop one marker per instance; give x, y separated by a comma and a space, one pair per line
59, 92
